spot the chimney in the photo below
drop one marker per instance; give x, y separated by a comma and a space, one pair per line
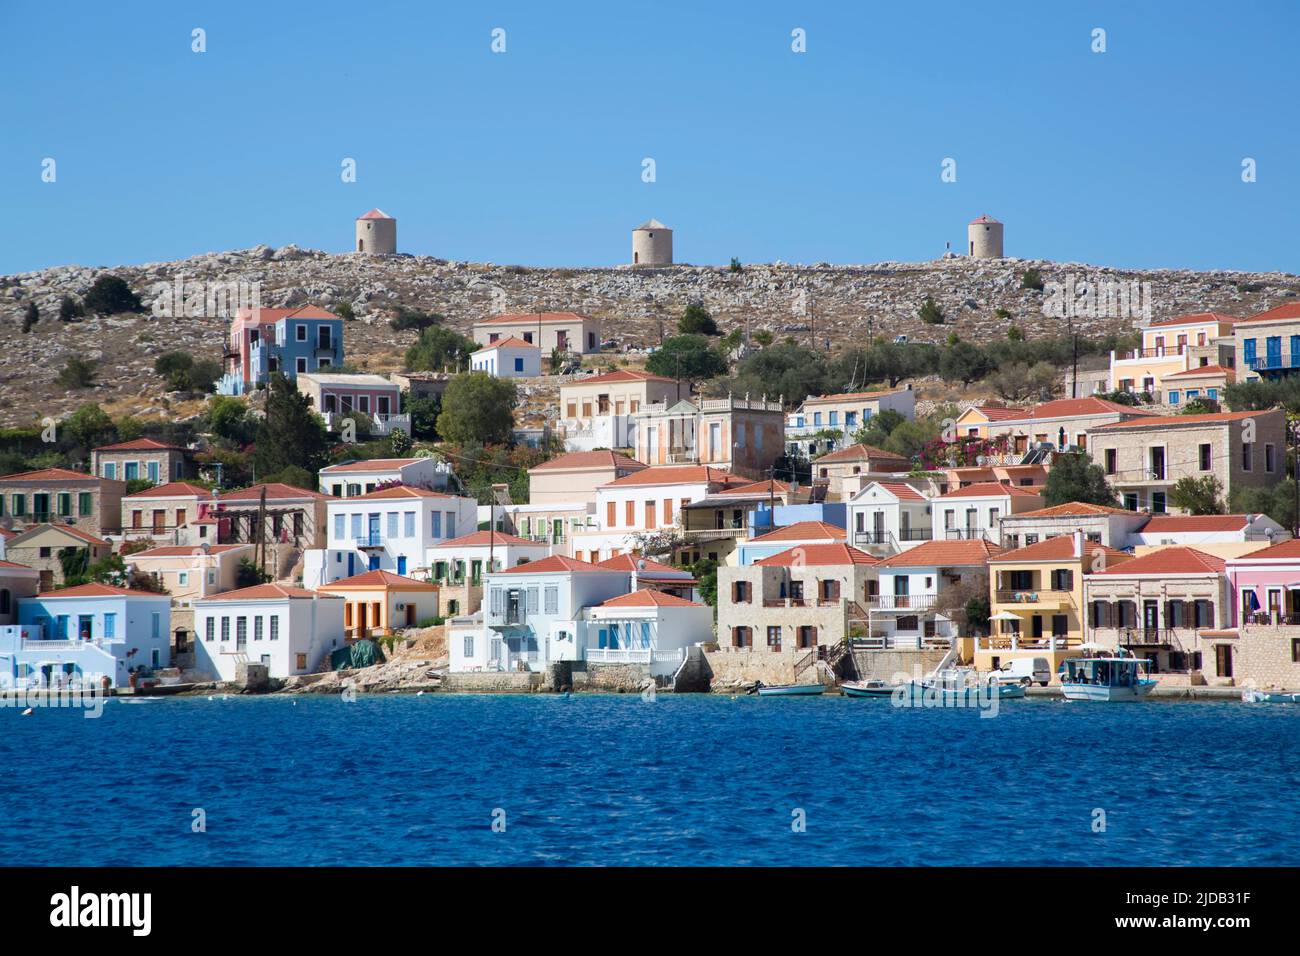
1078, 542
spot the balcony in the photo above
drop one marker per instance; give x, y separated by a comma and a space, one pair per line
632, 655
1037, 597
964, 534
1024, 642
1163, 352
902, 602
1274, 363
367, 541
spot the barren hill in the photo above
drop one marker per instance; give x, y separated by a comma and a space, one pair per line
822, 303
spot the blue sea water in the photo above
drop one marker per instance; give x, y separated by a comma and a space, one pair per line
613, 779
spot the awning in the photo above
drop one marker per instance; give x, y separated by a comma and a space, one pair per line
1005, 616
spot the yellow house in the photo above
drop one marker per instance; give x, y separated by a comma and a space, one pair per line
1036, 605
377, 603
1171, 346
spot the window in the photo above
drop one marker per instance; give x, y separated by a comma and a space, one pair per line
64, 504
740, 592
408, 524
1206, 457
241, 629
1110, 461
1158, 502
1173, 396
210, 631
1295, 650
257, 628
300, 332
532, 600
339, 529
302, 662
451, 524
110, 469
551, 597
275, 627
1130, 501
610, 516
392, 524
183, 578
774, 637
110, 625
1268, 457
435, 524
1247, 455
301, 365
519, 365
629, 513
85, 504
225, 629
468, 648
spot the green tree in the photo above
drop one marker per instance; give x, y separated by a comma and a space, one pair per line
293, 476
414, 320
1076, 478
1276, 501
1200, 406
930, 313
399, 443
977, 613
70, 308
736, 266
478, 407
345, 311
437, 348
1031, 278
687, 357
963, 362
1198, 496
763, 338
291, 433
696, 320
31, 316
89, 426
424, 417
77, 373
227, 417
706, 574
184, 373
109, 295
249, 575
877, 429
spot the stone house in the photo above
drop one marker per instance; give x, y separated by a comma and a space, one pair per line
40, 547
1143, 458
864, 462
742, 435
166, 514
598, 412
62, 496
549, 331
147, 458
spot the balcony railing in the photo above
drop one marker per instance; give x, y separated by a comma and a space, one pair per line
632, 655
902, 602
1273, 362
1026, 642
1046, 596
963, 534
374, 540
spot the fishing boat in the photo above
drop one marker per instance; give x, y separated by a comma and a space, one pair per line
867, 688
1109, 678
1253, 696
789, 690
959, 686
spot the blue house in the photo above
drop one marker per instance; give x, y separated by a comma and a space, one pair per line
263, 341
89, 631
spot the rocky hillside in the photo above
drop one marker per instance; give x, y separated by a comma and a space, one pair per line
825, 303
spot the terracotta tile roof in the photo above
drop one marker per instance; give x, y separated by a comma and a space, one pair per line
51, 474
901, 490
185, 550
15, 566
1200, 370
985, 220
648, 598
1173, 524
99, 590
1072, 509
676, 475
589, 459
379, 578
371, 464
630, 562
274, 490
858, 452
618, 375
1169, 421
991, 489
1195, 318
174, 489
264, 592
997, 413
476, 539
759, 488
1075, 407
512, 342
555, 564
850, 396
1288, 550
376, 214
1173, 560
397, 491
140, 444
944, 554
802, 531
518, 318
70, 530
1061, 548
261, 316
1290, 310
817, 556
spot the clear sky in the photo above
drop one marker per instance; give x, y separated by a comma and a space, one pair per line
1132, 157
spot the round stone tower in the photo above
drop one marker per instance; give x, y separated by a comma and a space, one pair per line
652, 244
376, 233
984, 238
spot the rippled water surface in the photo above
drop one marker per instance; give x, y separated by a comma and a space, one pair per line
613, 779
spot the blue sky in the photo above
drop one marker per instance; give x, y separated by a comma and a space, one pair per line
1131, 157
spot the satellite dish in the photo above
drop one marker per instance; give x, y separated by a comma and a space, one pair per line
980, 460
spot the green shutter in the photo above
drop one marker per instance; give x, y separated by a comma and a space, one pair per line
86, 504
20, 505
65, 504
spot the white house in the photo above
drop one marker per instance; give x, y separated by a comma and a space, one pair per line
89, 631
1201, 530
508, 358
920, 587
976, 510
886, 517
289, 629
352, 478
533, 615
469, 554
387, 530
646, 627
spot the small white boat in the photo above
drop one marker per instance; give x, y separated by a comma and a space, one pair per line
1253, 696
139, 700
867, 688
789, 690
1106, 679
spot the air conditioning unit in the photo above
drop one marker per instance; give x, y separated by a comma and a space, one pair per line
401, 607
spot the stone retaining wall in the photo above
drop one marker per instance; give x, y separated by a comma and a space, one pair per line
489, 682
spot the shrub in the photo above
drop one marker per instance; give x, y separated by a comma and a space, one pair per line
76, 373
110, 294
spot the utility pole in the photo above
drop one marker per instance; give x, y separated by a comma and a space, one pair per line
261, 531
1295, 474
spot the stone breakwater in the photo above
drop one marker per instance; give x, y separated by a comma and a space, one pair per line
836, 304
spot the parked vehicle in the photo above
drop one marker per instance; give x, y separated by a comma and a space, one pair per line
1025, 671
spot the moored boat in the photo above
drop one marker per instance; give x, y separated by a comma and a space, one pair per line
867, 688
789, 690
1107, 679
1252, 696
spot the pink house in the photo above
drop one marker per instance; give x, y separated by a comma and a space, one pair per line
1265, 585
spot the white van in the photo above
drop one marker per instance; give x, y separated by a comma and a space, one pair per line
1023, 670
